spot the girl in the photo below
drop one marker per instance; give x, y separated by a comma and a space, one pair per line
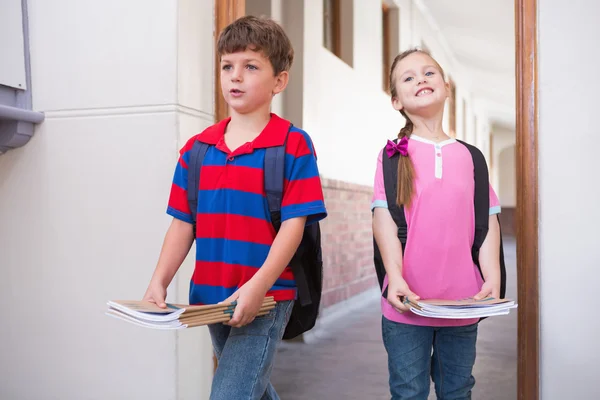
435, 184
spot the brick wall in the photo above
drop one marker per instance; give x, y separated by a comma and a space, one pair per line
347, 241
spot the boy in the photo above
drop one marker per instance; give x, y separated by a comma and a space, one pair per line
238, 254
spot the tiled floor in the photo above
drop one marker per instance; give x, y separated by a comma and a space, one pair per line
344, 358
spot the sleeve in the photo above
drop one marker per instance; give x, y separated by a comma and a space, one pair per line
379, 198
178, 206
494, 202
302, 190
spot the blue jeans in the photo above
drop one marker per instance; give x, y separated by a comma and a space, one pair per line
411, 362
246, 356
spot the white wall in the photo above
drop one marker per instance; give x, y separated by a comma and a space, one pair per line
503, 170
346, 111
82, 206
569, 193
507, 191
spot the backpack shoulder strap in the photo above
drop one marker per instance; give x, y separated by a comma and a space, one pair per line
274, 178
390, 181
482, 196
482, 211
197, 154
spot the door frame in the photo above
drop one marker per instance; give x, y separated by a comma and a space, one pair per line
526, 217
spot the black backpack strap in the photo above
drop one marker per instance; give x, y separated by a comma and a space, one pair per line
482, 212
197, 154
390, 181
274, 178
482, 198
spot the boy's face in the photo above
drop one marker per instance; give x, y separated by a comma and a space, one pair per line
248, 82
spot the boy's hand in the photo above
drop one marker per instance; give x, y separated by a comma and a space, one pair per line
397, 291
249, 300
489, 288
156, 294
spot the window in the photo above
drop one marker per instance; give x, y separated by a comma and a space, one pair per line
16, 118
338, 27
390, 17
331, 26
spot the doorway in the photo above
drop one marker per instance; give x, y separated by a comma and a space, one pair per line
526, 218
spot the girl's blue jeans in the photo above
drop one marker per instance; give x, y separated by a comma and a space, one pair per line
416, 353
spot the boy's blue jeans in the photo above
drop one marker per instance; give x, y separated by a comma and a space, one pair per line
411, 363
246, 356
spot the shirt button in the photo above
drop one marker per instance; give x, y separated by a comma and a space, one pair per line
230, 158
439, 154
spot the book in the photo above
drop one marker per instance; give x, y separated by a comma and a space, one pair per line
461, 309
176, 316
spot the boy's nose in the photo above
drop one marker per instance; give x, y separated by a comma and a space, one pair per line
236, 76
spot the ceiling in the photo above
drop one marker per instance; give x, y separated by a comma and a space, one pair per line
481, 37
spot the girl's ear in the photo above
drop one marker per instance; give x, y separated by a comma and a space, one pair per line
397, 104
448, 89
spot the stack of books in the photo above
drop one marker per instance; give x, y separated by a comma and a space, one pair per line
461, 309
176, 316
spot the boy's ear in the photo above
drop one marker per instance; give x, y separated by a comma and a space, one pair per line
397, 104
281, 82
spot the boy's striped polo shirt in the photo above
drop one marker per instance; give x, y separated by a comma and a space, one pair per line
234, 232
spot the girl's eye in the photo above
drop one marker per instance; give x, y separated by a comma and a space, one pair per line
408, 79
429, 73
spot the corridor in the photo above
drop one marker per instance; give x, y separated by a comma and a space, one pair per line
344, 357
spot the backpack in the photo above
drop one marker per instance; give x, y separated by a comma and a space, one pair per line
307, 262
482, 206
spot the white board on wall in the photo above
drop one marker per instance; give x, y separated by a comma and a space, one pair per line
12, 53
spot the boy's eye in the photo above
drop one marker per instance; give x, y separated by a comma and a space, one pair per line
251, 67
226, 67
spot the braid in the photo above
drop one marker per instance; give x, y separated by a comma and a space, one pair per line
406, 171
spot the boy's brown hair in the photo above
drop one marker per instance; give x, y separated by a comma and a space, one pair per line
258, 34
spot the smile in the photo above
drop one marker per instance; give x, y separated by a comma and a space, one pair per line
424, 92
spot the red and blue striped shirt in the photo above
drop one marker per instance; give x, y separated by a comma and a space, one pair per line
234, 232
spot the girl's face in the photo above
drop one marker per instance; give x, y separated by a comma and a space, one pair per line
420, 85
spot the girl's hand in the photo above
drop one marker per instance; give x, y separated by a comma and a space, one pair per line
397, 291
156, 294
489, 289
